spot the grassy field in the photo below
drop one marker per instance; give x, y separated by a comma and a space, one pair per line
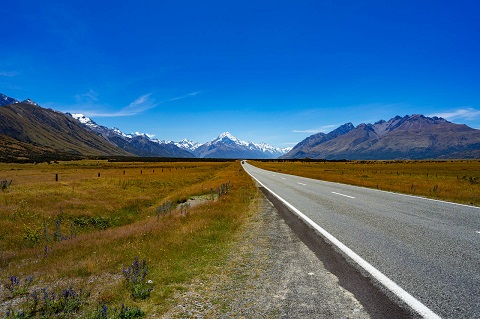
456, 181
80, 225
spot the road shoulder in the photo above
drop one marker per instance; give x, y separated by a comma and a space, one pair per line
270, 273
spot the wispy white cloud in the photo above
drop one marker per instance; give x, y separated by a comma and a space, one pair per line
9, 74
324, 128
463, 113
89, 97
183, 96
140, 105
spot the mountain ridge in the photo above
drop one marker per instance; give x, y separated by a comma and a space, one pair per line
223, 146
138, 144
228, 146
409, 137
6, 100
46, 133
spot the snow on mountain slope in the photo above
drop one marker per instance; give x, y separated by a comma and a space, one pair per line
228, 146
28, 101
6, 100
137, 143
187, 145
224, 146
83, 119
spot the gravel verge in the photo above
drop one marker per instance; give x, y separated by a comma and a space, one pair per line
270, 273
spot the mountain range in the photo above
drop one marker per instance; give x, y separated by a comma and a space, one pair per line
29, 131
224, 146
228, 146
38, 135
137, 144
408, 137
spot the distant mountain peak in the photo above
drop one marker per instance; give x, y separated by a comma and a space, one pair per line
6, 100
28, 101
80, 117
228, 146
226, 134
342, 129
84, 120
187, 145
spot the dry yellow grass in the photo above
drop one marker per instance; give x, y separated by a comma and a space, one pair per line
177, 248
457, 181
35, 197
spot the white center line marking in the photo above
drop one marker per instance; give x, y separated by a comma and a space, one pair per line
302, 184
283, 177
342, 195
478, 232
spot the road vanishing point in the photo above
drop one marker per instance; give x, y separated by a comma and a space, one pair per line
424, 252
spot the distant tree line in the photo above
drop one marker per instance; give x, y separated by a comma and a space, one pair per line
302, 160
54, 157
164, 159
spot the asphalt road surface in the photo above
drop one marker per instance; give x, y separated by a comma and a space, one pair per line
430, 249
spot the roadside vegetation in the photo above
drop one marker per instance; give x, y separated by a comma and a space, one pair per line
96, 239
456, 181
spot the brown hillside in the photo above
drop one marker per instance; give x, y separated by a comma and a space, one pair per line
49, 130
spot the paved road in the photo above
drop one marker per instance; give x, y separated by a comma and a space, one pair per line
429, 248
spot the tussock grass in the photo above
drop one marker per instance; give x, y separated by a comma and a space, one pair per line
176, 248
456, 181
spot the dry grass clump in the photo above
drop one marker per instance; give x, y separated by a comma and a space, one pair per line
457, 181
98, 217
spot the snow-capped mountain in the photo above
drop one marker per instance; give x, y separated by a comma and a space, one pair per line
187, 145
267, 148
135, 143
228, 146
83, 119
6, 100
224, 146
28, 101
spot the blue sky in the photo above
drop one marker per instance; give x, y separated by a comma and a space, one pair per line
266, 71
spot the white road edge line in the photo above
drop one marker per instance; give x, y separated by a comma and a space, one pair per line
411, 301
342, 195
